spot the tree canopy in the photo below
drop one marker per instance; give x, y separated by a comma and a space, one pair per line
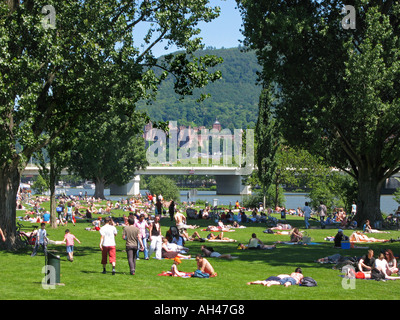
47, 62
339, 88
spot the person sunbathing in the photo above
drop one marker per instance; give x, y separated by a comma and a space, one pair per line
282, 279
368, 229
220, 236
204, 265
209, 252
281, 226
360, 237
218, 228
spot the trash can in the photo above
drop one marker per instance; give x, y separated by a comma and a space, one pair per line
54, 261
215, 203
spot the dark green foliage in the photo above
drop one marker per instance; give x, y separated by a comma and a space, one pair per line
233, 99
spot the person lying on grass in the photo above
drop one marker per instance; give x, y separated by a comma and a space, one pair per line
282, 279
209, 252
218, 237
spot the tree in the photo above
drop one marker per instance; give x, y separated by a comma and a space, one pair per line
335, 189
109, 149
164, 186
52, 159
46, 69
267, 141
339, 88
40, 184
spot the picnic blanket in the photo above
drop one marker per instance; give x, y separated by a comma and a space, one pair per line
217, 240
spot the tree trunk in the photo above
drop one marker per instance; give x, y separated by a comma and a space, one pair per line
9, 183
369, 197
99, 190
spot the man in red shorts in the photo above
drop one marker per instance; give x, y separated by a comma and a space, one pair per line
107, 244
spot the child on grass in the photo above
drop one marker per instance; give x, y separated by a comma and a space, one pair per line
69, 241
41, 240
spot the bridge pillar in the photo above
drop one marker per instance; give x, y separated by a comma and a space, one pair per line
132, 188
231, 185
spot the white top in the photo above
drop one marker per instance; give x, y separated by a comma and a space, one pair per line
307, 211
108, 232
215, 254
381, 265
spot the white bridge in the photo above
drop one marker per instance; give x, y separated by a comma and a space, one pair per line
229, 179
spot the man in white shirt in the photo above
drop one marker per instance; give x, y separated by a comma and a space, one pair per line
307, 214
107, 244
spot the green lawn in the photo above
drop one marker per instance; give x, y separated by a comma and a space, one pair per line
22, 275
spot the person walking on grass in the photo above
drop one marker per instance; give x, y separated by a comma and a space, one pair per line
307, 215
155, 238
322, 211
107, 244
142, 225
69, 242
131, 235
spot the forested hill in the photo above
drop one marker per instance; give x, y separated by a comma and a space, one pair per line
233, 101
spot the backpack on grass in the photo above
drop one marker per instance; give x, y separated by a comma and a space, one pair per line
308, 282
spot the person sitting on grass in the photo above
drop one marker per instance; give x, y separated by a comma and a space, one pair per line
367, 262
174, 269
368, 229
255, 243
339, 237
296, 235
379, 267
205, 266
167, 253
392, 262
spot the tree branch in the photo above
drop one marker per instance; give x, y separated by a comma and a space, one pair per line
139, 58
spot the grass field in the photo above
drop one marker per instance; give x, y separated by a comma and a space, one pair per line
82, 279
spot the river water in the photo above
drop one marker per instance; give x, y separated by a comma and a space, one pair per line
293, 200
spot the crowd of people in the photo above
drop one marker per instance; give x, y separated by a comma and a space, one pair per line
143, 234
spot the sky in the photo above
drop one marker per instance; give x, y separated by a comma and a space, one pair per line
223, 31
